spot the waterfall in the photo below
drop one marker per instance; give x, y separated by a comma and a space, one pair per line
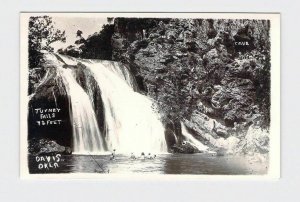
193, 141
86, 134
131, 123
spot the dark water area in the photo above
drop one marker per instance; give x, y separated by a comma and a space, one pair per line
163, 164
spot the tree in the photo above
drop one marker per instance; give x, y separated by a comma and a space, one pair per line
41, 35
110, 20
78, 33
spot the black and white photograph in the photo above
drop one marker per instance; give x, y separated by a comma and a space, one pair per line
149, 94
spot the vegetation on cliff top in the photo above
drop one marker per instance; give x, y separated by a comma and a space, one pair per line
41, 35
95, 46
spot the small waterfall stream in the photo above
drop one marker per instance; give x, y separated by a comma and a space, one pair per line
188, 137
131, 124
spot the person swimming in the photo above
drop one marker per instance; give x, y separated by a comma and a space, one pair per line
152, 156
143, 156
132, 156
149, 156
112, 157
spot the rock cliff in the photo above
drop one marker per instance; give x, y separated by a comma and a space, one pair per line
213, 75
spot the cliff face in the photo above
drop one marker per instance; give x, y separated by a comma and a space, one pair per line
49, 92
200, 70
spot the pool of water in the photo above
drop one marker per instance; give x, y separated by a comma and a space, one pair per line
163, 164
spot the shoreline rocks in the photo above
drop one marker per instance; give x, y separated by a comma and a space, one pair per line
46, 147
185, 148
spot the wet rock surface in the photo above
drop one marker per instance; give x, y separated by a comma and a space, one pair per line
185, 148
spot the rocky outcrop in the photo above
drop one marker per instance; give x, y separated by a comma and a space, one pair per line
185, 148
72, 50
240, 139
49, 92
35, 76
47, 147
213, 75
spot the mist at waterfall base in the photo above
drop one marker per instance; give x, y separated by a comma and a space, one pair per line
131, 125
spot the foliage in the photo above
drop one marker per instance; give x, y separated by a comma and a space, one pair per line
96, 46
41, 35
78, 33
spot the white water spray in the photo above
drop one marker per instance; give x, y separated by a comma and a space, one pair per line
131, 124
86, 134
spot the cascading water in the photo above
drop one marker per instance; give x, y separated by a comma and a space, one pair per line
86, 134
188, 137
131, 124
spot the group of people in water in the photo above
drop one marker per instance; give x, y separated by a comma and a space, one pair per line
143, 156
133, 157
